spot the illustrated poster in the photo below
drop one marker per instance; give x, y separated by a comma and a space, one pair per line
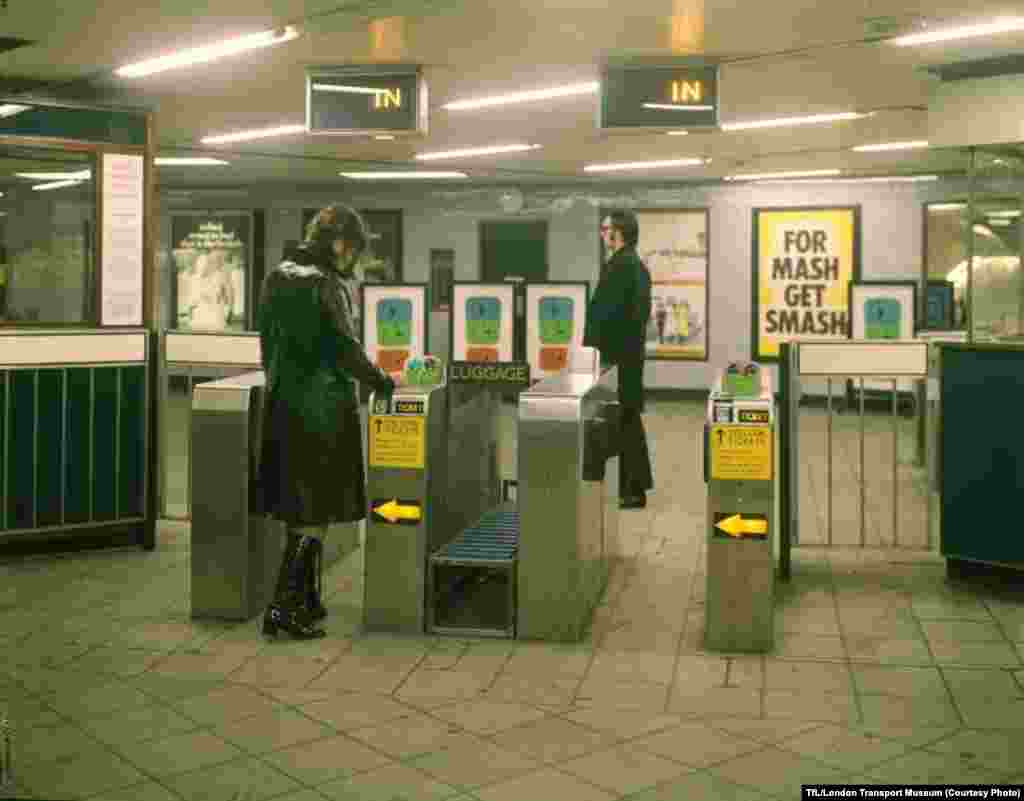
394, 324
555, 317
210, 254
483, 322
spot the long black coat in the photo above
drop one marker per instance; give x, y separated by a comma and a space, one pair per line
311, 465
617, 323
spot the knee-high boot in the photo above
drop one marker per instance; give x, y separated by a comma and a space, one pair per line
288, 610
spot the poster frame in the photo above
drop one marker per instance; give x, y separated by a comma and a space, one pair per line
499, 286
706, 211
755, 307
424, 290
853, 295
535, 371
249, 267
948, 288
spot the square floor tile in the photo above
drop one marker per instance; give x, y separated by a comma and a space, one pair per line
278, 729
121, 662
393, 783
413, 736
172, 689
356, 710
695, 744
441, 684
200, 665
621, 695
811, 677
836, 707
468, 765
138, 724
540, 691
999, 750
624, 769
487, 717
789, 645
147, 791
548, 660
250, 779
632, 667
280, 670
981, 683
360, 675
623, 723
698, 787
981, 654
777, 772
717, 702
925, 767
892, 652
326, 760
962, 630
95, 771
768, 732
882, 711
906, 682
696, 672
991, 713
225, 705
958, 607
848, 749
28, 711
52, 743
545, 785
554, 740
180, 754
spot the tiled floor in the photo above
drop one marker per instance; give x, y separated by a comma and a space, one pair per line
882, 671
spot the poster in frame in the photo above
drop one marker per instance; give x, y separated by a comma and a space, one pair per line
803, 260
939, 306
674, 246
882, 310
211, 254
394, 321
482, 322
556, 312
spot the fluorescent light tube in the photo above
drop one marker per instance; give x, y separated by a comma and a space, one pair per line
916, 144
9, 109
356, 90
525, 97
474, 151
946, 206
399, 175
1000, 222
678, 133
55, 185
79, 175
678, 107
260, 133
187, 162
202, 55
964, 32
762, 176
644, 165
1006, 213
872, 179
384, 137
813, 119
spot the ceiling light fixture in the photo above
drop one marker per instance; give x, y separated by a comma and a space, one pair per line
356, 90
401, 175
1005, 213
525, 97
384, 137
207, 53
187, 162
475, 151
946, 206
10, 109
678, 133
1000, 222
916, 144
813, 119
871, 179
764, 176
1005, 25
260, 133
54, 185
678, 107
80, 175
645, 165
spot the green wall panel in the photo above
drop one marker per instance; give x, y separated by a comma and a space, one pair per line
132, 441
104, 490
50, 439
77, 499
21, 478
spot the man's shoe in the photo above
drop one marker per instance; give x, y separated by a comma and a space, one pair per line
633, 502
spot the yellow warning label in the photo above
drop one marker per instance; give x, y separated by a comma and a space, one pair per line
397, 442
741, 453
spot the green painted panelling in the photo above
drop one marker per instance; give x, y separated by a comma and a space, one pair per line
87, 125
76, 501
3, 438
983, 453
133, 422
104, 418
20, 486
49, 446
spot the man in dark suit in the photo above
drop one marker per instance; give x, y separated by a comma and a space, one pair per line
617, 327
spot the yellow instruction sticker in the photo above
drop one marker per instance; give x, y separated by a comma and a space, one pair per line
397, 442
741, 453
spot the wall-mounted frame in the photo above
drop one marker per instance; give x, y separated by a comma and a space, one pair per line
556, 312
674, 245
394, 320
939, 306
442, 276
804, 259
212, 259
382, 263
482, 322
880, 310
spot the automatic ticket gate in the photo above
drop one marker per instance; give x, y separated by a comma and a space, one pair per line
740, 472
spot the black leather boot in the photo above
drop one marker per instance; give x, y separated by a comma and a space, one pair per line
315, 581
288, 610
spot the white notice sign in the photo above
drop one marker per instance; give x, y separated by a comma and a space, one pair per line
122, 240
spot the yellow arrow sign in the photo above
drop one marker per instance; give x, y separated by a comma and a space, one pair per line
393, 511
736, 526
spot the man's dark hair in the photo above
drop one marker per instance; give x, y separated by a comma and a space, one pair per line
625, 222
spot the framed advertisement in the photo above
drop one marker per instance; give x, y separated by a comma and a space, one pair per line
482, 322
555, 315
939, 306
394, 320
881, 310
673, 244
211, 259
382, 262
804, 259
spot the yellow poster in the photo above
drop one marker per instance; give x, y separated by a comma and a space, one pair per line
804, 261
397, 442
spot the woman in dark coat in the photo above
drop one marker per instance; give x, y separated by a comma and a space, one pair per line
617, 326
311, 469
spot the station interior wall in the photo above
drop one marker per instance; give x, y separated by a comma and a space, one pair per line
892, 237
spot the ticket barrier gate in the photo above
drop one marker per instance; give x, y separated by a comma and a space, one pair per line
739, 470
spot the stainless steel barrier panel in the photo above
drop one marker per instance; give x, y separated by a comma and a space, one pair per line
568, 500
235, 554
740, 473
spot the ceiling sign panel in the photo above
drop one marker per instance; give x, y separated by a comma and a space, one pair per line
684, 96
366, 100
